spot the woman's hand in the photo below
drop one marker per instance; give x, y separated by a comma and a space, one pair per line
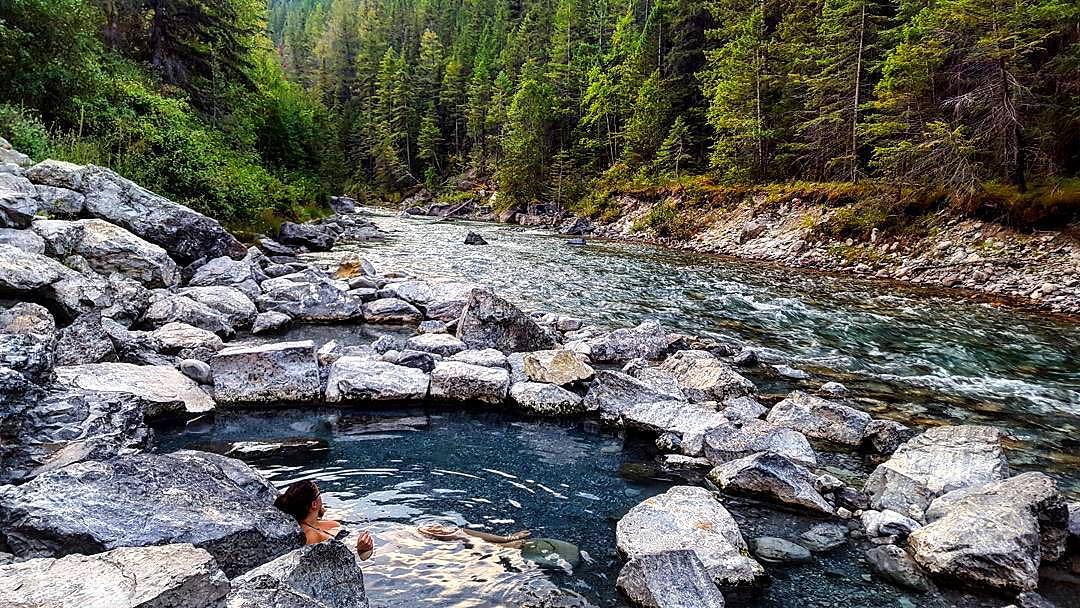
364, 544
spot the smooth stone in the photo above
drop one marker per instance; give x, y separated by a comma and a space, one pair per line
887, 523
669, 579
772, 550
198, 371
166, 392
176, 338
791, 373
771, 477
456, 381
818, 418
545, 399
312, 236
360, 379
267, 373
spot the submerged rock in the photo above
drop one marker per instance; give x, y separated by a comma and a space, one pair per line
646, 341
489, 321
173, 576
267, 373
689, 518
323, 575
165, 391
473, 238
824, 537
772, 550
727, 442
771, 477
820, 419
670, 579
215, 503
560, 367
895, 565
458, 381
545, 399
940, 460
362, 379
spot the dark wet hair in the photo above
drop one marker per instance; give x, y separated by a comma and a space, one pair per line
297, 498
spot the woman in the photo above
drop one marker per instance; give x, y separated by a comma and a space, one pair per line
303, 501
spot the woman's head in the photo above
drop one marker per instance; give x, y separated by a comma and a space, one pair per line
300, 499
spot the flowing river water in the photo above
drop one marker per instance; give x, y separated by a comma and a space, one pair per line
920, 357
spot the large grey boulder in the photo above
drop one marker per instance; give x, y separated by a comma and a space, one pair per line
17, 209
392, 311
940, 460
489, 321
559, 366
210, 501
109, 248
244, 274
24, 239
23, 273
61, 427
545, 399
168, 576
735, 440
165, 391
443, 345
56, 173
703, 377
342, 205
9, 155
670, 579
646, 341
443, 301
771, 477
323, 575
230, 302
456, 381
612, 393
166, 307
116, 296
267, 373
820, 419
85, 341
362, 379
187, 341
185, 234
689, 422
310, 297
312, 236
994, 535
689, 518
28, 340
60, 203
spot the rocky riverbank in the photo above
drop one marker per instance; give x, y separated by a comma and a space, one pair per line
1029, 269
122, 309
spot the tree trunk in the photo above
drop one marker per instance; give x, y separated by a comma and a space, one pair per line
855, 104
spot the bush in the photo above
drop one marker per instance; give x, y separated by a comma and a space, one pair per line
25, 131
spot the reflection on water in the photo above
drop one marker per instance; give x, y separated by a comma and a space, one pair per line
920, 356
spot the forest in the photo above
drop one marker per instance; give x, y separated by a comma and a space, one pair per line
244, 108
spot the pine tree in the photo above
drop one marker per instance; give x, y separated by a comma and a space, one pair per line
674, 153
645, 129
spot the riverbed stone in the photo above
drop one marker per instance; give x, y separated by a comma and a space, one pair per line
818, 418
456, 381
64, 426
612, 393
197, 370
267, 373
669, 579
689, 518
489, 321
824, 537
939, 460
773, 550
487, 357
362, 379
323, 575
184, 233
186, 340
896, 566
27, 240
646, 341
166, 307
165, 390
310, 297
994, 535
216, 503
28, 340
689, 422
85, 341
743, 408
23, 273
270, 322
443, 345
545, 399
231, 303
887, 523
703, 377
173, 576
885, 436
314, 237
559, 366
732, 441
392, 311
772, 477
244, 274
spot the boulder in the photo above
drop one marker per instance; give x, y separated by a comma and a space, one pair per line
27, 240
85, 341
17, 209
60, 203
267, 373
559, 366
23, 273
456, 381
489, 321
166, 307
895, 565
312, 236
310, 297
432, 327
703, 377
743, 408
185, 234
244, 274
186, 340
612, 393
670, 579
362, 379
342, 205
65, 426
9, 155
545, 399
16, 183
108, 248
392, 311
818, 418
688, 422
474, 238
28, 340
115, 297
689, 518
731, 441
165, 391
646, 341
173, 576
940, 460
771, 477
323, 575
994, 535
212, 502
442, 301
231, 303
488, 357
56, 173
415, 358
270, 322
440, 344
